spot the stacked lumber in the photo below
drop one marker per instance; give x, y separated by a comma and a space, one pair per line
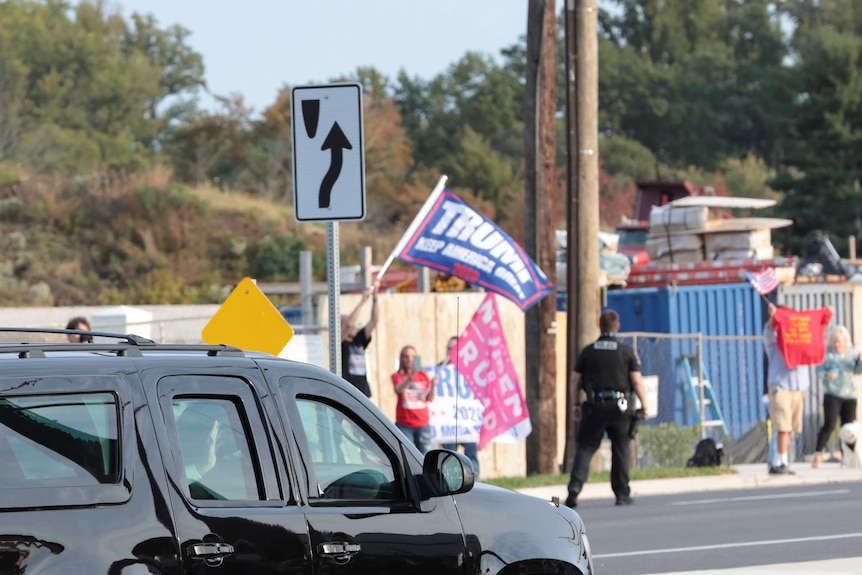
683, 231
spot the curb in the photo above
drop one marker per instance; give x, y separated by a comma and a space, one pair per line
746, 477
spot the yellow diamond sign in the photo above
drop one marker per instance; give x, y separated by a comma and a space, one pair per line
248, 320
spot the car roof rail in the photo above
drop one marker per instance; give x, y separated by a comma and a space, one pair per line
126, 344
127, 338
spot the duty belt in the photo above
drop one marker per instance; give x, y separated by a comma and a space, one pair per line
609, 395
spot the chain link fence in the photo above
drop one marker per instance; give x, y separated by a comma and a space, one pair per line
711, 386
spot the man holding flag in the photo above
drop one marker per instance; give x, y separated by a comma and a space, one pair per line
792, 341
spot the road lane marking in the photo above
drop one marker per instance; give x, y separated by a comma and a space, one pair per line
759, 497
727, 546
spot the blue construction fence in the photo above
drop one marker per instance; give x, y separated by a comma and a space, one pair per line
732, 365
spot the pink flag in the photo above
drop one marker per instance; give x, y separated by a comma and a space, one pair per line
482, 358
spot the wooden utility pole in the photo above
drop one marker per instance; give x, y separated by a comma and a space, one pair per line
582, 134
540, 324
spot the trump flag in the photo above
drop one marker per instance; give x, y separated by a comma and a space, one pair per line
482, 358
451, 237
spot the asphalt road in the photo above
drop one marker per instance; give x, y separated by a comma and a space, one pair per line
725, 529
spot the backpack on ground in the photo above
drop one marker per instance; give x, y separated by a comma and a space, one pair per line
707, 453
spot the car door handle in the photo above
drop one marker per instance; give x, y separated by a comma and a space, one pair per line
212, 553
339, 551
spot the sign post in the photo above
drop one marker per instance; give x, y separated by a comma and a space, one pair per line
334, 275
329, 175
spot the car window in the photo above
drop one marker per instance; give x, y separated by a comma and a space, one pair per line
347, 460
63, 440
219, 440
632, 237
215, 450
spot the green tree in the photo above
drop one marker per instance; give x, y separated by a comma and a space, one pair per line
475, 165
468, 123
474, 93
692, 81
215, 147
81, 90
627, 160
269, 162
841, 16
179, 70
821, 173
749, 178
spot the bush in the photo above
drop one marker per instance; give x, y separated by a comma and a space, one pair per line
156, 201
666, 444
10, 175
12, 211
276, 257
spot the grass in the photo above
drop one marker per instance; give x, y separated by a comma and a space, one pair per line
231, 202
605, 476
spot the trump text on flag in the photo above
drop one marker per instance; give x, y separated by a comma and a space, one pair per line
456, 239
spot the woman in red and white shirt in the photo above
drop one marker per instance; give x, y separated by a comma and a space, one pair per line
415, 391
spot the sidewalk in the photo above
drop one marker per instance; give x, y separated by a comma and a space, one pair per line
746, 477
847, 566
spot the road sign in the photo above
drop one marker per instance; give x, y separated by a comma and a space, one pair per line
328, 153
248, 320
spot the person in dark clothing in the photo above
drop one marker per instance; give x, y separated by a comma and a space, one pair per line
608, 372
354, 342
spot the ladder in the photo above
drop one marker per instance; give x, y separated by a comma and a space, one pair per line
688, 375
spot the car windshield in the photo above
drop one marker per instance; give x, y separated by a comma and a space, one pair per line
632, 237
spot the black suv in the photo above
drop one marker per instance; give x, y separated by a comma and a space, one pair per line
131, 457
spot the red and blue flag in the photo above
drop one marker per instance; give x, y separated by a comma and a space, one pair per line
451, 237
764, 282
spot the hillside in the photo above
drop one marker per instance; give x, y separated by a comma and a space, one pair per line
110, 238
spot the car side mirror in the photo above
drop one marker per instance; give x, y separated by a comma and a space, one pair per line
446, 472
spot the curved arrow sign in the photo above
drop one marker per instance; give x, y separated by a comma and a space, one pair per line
336, 142
328, 152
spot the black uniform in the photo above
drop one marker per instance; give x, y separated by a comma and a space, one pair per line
605, 366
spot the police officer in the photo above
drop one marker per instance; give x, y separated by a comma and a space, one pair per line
608, 371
